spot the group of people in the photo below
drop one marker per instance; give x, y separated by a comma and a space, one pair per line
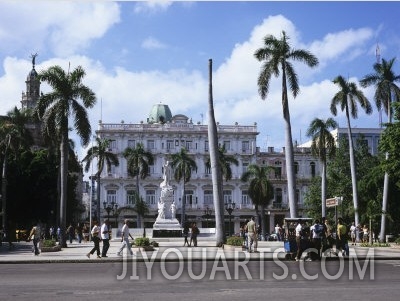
103, 234
319, 237
193, 231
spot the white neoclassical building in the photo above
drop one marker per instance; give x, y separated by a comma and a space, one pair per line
164, 134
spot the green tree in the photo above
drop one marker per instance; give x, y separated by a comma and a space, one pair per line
386, 91
260, 189
277, 54
322, 147
104, 158
183, 165
55, 109
224, 163
215, 171
347, 99
138, 162
141, 208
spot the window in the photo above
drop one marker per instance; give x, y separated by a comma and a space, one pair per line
278, 198
227, 145
245, 146
206, 146
111, 196
131, 143
228, 196
190, 200
245, 198
112, 144
150, 197
170, 144
151, 169
130, 197
278, 169
150, 144
312, 169
207, 169
245, 167
208, 197
188, 145
296, 168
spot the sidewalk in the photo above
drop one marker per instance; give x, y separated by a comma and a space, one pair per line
172, 250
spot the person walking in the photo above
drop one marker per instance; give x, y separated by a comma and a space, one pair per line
342, 243
195, 233
185, 233
79, 232
299, 233
71, 233
96, 240
34, 235
252, 234
105, 237
125, 239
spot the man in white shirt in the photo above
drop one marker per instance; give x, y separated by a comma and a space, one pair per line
252, 234
105, 236
353, 233
298, 232
316, 237
125, 238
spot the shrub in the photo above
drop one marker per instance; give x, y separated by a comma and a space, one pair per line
235, 241
397, 241
142, 241
48, 243
154, 243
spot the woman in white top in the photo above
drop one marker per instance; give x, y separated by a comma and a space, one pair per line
96, 240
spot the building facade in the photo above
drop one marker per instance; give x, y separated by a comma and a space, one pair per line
165, 134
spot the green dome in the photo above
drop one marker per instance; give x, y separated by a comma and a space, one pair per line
160, 113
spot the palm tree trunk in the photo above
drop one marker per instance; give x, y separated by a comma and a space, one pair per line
323, 189
215, 172
291, 179
98, 198
263, 228
64, 183
352, 168
385, 185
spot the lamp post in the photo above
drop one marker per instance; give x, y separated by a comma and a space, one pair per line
110, 207
207, 213
229, 208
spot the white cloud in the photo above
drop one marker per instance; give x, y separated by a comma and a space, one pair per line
152, 43
152, 6
62, 26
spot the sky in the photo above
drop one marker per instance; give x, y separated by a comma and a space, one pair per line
137, 54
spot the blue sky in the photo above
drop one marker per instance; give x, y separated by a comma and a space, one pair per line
137, 54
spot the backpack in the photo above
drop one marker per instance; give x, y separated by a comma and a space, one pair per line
318, 229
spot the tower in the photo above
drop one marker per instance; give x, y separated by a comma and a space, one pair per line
31, 96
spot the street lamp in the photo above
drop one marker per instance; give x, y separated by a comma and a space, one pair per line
207, 213
230, 207
113, 206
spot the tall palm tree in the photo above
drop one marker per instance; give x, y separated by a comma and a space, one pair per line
276, 54
322, 147
56, 108
138, 162
260, 189
386, 92
104, 158
183, 165
347, 99
215, 171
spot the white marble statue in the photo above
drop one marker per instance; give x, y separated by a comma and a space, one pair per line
166, 175
173, 210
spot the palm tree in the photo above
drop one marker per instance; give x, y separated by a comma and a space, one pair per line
104, 158
322, 147
56, 108
138, 162
386, 92
276, 54
215, 171
260, 189
224, 163
183, 166
347, 99
141, 208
